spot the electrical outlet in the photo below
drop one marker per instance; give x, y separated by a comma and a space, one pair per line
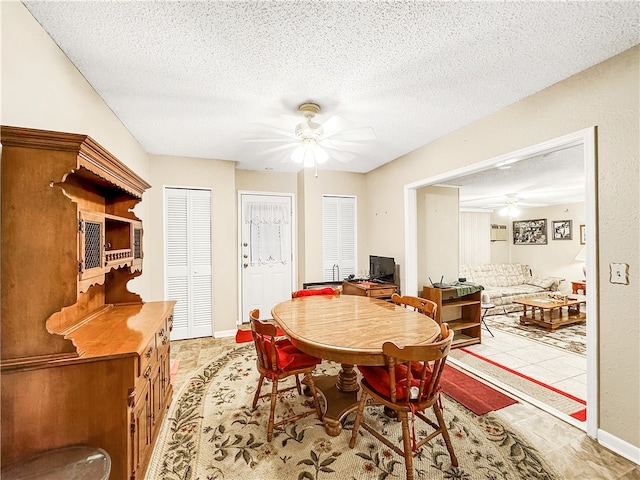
619, 273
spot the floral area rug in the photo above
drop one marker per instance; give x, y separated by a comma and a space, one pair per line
571, 338
212, 433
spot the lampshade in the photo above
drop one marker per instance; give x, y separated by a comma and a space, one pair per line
309, 153
582, 255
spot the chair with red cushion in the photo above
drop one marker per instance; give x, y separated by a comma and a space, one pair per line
408, 384
277, 360
315, 291
422, 305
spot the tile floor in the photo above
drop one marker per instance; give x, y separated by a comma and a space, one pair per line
574, 455
563, 370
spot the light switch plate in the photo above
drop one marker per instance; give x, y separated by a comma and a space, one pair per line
619, 273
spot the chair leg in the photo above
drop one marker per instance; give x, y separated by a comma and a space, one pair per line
484, 314
308, 380
445, 434
298, 386
406, 442
257, 394
356, 424
272, 412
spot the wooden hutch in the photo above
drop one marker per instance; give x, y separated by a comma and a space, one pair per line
83, 360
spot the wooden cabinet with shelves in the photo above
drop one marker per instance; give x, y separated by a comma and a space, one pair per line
83, 359
462, 313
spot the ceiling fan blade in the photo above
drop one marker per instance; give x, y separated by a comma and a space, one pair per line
266, 140
354, 135
279, 148
269, 130
341, 155
344, 145
336, 124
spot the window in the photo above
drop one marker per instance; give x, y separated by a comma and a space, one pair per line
339, 240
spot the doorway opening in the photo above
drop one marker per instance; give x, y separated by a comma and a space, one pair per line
586, 138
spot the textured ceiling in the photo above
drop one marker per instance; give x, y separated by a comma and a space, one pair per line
196, 78
553, 178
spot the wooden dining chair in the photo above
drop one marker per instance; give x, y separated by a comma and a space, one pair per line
278, 360
422, 305
408, 384
315, 291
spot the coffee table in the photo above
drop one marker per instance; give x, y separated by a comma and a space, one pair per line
551, 314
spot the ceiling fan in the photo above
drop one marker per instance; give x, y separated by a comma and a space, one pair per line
311, 143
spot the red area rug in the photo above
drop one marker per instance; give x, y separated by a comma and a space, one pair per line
244, 336
478, 397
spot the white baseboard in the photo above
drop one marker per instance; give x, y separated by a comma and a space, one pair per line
622, 448
225, 334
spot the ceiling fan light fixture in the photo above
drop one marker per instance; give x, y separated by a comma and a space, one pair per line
510, 210
309, 154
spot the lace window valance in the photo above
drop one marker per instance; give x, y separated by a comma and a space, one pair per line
265, 221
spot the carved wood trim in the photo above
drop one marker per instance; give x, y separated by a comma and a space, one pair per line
91, 155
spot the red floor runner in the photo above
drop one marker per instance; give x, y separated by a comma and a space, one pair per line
473, 394
244, 336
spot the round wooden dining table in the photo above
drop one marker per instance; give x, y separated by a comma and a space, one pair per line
350, 330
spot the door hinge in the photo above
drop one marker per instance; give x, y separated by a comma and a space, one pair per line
80, 266
132, 428
80, 226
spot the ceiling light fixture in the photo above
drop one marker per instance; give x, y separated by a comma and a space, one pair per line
510, 210
309, 153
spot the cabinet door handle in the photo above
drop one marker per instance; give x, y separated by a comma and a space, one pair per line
147, 372
149, 352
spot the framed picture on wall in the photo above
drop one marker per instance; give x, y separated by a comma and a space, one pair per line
561, 229
530, 232
583, 235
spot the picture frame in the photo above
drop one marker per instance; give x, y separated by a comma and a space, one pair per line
530, 232
583, 235
561, 230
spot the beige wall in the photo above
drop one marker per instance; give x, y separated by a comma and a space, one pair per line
440, 243
557, 257
42, 89
219, 176
606, 96
312, 189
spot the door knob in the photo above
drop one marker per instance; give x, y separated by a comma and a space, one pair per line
245, 265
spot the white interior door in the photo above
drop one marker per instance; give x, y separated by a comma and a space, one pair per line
188, 261
266, 259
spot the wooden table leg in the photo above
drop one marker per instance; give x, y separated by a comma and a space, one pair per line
347, 379
341, 394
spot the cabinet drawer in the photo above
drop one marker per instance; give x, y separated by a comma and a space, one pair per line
148, 358
382, 292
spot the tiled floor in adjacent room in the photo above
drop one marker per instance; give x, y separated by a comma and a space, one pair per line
553, 366
573, 454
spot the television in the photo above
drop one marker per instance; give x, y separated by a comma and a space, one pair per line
382, 268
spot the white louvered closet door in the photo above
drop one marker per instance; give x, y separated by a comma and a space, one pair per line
339, 240
188, 261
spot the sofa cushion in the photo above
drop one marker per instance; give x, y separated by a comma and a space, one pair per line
541, 282
496, 274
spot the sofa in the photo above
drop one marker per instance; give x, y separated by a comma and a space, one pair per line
506, 282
